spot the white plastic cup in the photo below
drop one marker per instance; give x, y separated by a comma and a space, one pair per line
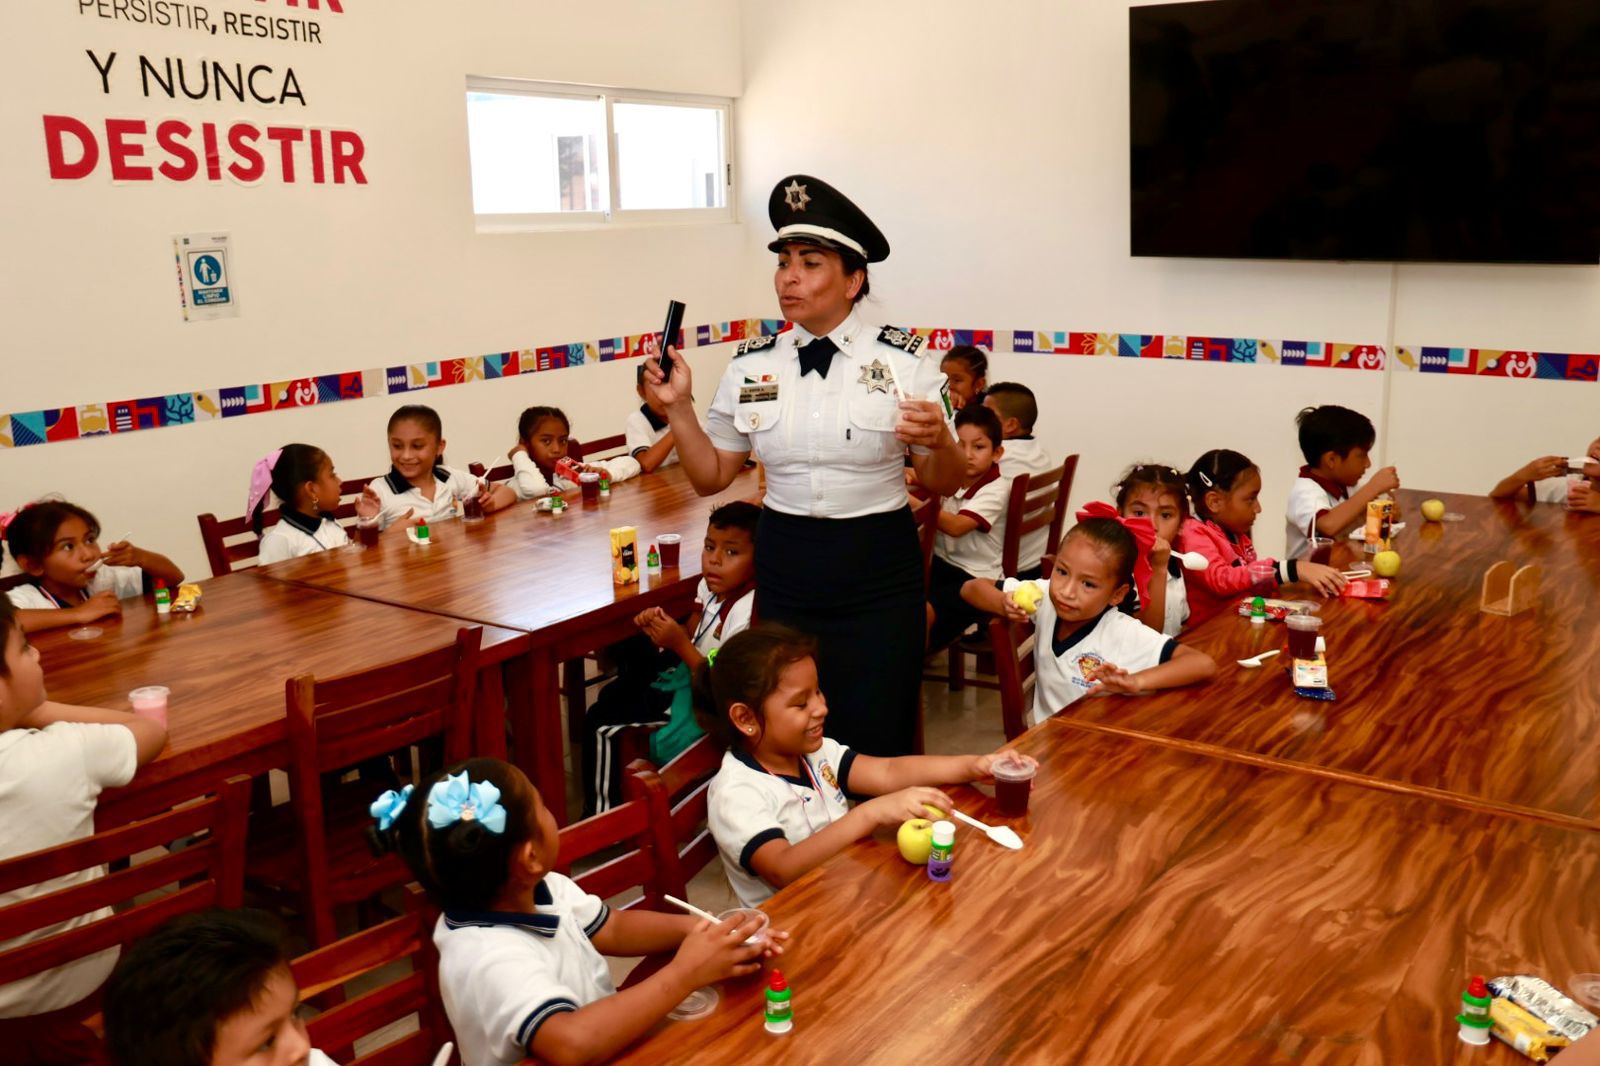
151, 702
1262, 572
739, 914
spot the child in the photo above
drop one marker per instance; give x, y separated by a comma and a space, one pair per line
543, 436
777, 806
212, 988
1335, 442
1225, 490
419, 489
55, 760
649, 437
1547, 480
73, 582
308, 490
1018, 411
967, 369
971, 527
1156, 492
1093, 647
521, 947
652, 689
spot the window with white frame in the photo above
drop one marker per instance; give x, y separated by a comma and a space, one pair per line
549, 156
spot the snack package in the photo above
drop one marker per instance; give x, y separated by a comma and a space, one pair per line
1368, 588
625, 555
1524, 1030
1311, 678
568, 468
188, 598
1277, 610
1380, 525
1545, 1002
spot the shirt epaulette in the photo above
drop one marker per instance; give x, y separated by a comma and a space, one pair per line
904, 339
755, 344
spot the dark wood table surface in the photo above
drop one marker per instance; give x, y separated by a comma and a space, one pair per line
226, 665
548, 577
1430, 691
1168, 907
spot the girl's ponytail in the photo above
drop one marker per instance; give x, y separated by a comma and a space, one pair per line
280, 473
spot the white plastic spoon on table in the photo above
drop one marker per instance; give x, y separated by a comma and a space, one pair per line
1256, 660
1003, 835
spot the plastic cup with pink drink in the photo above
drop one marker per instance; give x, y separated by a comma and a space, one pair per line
151, 702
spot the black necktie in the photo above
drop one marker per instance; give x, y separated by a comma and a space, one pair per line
816, 356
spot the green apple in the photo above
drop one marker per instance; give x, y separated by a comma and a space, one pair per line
1386, 564
1433, 510
916, 840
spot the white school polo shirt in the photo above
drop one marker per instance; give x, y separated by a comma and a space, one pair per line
1065, 669
50, 779
396, 495
719, 620
1551, 490
1025, 455
504, 975
747, 806
126, 582
828, 444
297, 534
529, 483
644, 430
1177, 611
1308, 501
984, 501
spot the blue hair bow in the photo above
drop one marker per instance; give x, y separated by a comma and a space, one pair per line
455, 799
387, 807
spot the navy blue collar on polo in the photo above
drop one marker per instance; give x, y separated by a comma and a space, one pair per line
1058, 648
398, 483
544, 925
301, 521
657, 423
750, 761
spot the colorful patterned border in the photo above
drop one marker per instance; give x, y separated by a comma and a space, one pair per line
127, 416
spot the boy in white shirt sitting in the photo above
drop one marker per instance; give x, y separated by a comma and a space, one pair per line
1018, 411
1335, 442
649, 437
971, 528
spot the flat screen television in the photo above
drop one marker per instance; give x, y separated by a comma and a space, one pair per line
1407, 130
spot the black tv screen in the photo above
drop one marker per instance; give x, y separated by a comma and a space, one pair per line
1435, 130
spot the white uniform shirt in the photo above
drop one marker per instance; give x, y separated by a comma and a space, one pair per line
828, 443
644, 430
127, 582
747, 806
984, 501
50, 780
1307, 501
502, 975
296, 534
1551, 490
1177, 610
529, 483
1025, 455
1065, 669
396, 495
720, 621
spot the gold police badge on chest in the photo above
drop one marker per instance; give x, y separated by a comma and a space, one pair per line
875, 376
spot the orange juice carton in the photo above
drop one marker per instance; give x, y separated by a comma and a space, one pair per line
1380, 524
625, 555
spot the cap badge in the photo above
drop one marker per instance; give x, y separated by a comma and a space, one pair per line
794, 194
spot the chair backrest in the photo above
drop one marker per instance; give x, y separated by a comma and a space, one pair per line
588, 451
337, 722
1037, 501
686, 780
231, 544
412, 990
925, 511
1012, 644
207, 872
649, 861
1058, 517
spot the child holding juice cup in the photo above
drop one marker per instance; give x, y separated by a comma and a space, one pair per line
1553, 479
1324, 501
302, 478
419, 489
540, 464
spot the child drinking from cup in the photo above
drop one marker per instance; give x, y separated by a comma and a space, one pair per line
72, 581
1225, 491
967, 370
1324, 500
521, 966
302, 479
539, 462
1551, 480
777, 805
419, 489
1158, 493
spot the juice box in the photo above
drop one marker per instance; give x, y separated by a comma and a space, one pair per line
625, 555
1380, 520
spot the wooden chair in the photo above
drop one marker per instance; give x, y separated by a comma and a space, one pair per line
602, 448
414, 991
320, 851
207, 872
684, 781
1012, 645
643, 826
231, 544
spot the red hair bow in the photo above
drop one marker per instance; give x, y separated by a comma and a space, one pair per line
1144, 535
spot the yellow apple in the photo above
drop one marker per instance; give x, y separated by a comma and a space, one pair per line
1386, 564
916, 840
1027, 596
1433, 510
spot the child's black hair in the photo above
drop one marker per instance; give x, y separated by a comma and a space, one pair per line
172, 990
296, 465
745, 670
1219, 470
1164, 479
32, 533
1331, 428
1114, 540
988, 423
463, 866
530, 419
8, 622
422, 415
1015, 400
976, 361
738, 514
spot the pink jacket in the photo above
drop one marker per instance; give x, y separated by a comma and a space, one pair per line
1221, 585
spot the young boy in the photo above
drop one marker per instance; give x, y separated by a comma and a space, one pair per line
1018, 411
649, 437
652, 686
971, 527
211, 988
1335, 442
1549, 480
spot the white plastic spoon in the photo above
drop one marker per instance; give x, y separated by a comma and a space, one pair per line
692, 909
1191, 560
444, 1054
1003, 835
1256, 660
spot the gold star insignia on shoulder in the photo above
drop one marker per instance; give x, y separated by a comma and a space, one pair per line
794, 194
875, 376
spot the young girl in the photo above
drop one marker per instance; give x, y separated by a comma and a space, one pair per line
520, 946
1086, 645
74, 582
777, 806
54, 762
307, 487
1225, 488
967, 369
543, 436
418, 488
1547, 480
1156, 492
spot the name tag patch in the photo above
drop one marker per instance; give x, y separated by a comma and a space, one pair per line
758, 393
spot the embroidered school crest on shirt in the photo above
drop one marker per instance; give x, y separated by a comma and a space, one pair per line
827, 775
1088, 666
875, 376
794, 194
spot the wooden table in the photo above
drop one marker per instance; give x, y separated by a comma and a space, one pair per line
545, 576
226, 665
1430, 692
1169, 907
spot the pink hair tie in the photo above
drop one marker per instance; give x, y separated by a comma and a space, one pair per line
261, 480
1144, 535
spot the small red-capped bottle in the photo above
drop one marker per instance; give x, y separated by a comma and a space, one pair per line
780, 1009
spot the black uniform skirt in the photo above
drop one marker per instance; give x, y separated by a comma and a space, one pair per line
856, 585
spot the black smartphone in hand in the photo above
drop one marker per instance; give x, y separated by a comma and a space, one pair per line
669, 335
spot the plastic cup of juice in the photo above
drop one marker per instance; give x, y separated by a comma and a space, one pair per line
589, 482
738, 914
1013, 783
150, 702
1262, 572
670, 544
1303, 635
367, 533
1320, 550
